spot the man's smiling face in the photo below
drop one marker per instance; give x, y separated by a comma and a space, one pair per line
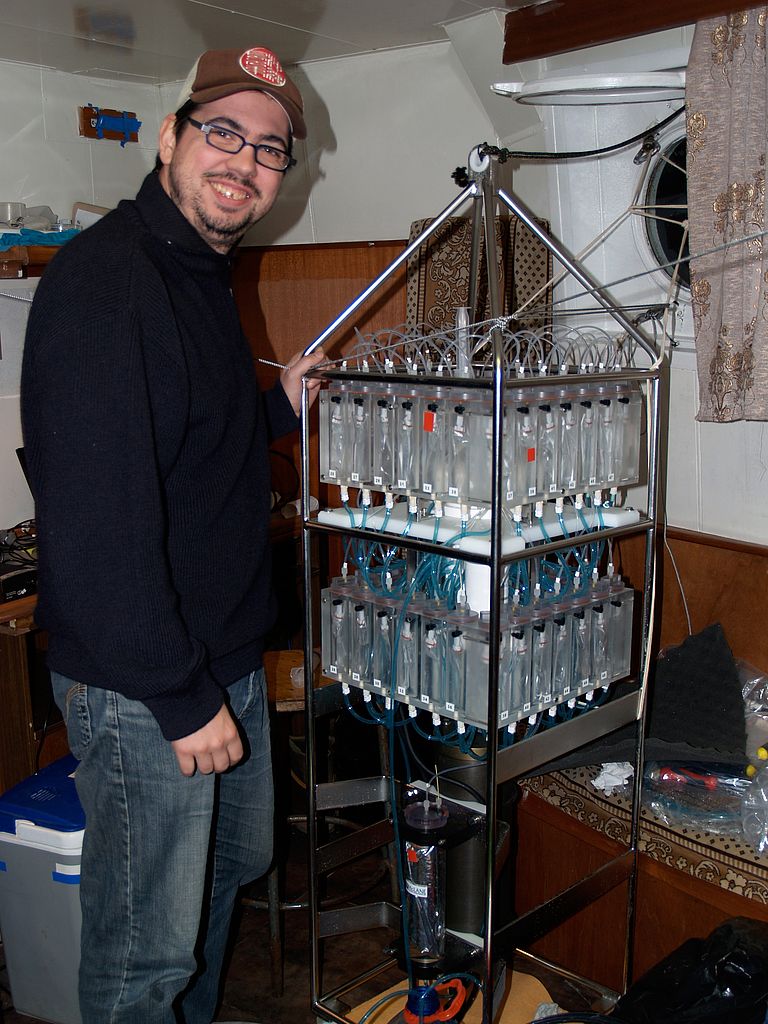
223, 194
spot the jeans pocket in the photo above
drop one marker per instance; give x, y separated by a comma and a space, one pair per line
72, 699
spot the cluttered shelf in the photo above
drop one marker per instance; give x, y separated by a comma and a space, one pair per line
31, 236
710, 846
17, 616
26, 260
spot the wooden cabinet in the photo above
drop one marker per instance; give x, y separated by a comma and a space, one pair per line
31, 731
554, 850
17, 733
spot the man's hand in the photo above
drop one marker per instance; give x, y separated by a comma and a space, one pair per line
214, 748
291, 376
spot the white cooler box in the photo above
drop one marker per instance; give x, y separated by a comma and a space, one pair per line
41, 838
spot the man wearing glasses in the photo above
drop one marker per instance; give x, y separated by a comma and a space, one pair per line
146, 437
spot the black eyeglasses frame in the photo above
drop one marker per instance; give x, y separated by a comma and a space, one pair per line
206, 128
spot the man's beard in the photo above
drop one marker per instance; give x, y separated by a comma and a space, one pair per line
217, 233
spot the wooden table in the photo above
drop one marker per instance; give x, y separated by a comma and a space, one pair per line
283, 694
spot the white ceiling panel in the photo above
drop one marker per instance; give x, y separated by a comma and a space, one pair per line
158, 40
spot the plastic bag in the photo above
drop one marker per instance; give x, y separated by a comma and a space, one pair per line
754, 812
754, 807
754, 688
696, 796
722, 979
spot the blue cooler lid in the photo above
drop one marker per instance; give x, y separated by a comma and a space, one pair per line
48, 799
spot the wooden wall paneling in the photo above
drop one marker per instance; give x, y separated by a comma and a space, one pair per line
724, 581
287, 295
540, 30
554, 851
673, 906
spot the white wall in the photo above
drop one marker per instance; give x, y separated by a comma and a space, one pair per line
46, 163
385, 132
15, 499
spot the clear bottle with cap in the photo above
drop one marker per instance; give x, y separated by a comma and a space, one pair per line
407, 452
568, 445
425, 823
383, 442
361, 651
360, 426
433, 448
408, 649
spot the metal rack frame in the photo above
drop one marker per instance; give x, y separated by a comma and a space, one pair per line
514, 761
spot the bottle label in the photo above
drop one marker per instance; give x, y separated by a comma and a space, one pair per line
414, 889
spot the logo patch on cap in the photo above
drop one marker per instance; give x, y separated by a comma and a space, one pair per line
263, 65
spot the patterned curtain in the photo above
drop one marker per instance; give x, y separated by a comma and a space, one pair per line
727, 122
437, 277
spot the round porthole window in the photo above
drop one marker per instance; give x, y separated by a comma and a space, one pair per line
666, 204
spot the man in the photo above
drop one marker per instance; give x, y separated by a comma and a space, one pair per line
146, 438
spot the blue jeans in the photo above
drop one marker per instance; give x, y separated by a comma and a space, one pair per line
163, 855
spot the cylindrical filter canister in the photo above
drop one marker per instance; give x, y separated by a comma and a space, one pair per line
424, 870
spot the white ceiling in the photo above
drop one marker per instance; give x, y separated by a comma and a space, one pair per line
157, 41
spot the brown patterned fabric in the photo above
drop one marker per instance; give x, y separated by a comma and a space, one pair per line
727, 122
726, 861
437, 280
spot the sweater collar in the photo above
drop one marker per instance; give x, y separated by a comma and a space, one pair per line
165, 221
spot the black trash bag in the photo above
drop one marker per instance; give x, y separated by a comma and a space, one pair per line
722, 979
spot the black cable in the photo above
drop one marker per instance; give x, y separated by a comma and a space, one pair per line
430, 774
503, 154
44, 731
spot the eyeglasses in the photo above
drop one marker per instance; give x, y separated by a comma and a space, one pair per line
230, 142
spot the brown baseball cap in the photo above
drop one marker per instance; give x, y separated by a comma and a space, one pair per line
218, 73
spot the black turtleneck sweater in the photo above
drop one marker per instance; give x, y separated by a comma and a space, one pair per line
146, 441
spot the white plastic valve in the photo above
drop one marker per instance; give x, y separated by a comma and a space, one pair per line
478, 162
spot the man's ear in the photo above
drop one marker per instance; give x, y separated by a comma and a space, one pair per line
167, 139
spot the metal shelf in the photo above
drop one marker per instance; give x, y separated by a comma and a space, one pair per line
522, 757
